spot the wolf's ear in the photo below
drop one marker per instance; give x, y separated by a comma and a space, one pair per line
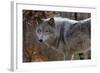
51, 22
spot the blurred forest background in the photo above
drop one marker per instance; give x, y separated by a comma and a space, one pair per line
33, 50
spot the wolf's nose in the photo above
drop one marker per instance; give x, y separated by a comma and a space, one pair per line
40, 40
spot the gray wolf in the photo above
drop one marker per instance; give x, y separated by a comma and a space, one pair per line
64, 35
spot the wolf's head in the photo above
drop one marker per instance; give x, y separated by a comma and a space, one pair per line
45, 30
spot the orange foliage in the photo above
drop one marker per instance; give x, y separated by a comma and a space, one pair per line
35, 54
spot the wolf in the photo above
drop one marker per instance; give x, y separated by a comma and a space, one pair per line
64, 35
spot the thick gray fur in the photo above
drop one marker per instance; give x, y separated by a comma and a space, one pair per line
70, 36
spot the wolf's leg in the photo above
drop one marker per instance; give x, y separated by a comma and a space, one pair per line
68, 56
72, 57
87, 54
64, 56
